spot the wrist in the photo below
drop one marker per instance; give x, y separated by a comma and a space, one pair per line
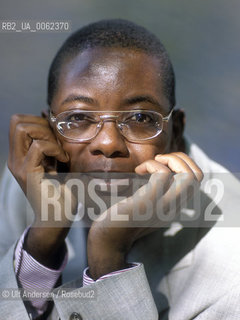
103, 257
45, 246
100, 266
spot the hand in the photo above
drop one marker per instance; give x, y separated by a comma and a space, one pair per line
172, 176
33, 148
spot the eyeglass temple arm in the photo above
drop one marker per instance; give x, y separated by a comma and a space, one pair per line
168, 116
51, 116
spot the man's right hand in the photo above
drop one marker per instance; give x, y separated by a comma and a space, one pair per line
32, 145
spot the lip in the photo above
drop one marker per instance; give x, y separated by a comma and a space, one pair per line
113, 183
109, 179
106, 175
112, 186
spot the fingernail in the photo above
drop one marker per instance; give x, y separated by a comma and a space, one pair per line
151, 168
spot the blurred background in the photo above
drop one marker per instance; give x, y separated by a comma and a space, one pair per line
202, 38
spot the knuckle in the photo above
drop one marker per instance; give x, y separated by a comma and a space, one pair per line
48, 135
38, 144
191, 177
168, 155
46, 147
180, 154
16, 125
15, 117
152, 162
172, 155
21, 128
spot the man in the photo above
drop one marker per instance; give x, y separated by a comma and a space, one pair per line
111, 99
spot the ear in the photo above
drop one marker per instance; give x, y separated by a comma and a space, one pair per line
178, 125
45, 113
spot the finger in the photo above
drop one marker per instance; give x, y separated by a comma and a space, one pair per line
41, 149
176, 164
195, 168
24, 135
151, 166
25, 118
159, 182
183, 187
18, 119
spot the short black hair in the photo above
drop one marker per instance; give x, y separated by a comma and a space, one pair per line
114, 33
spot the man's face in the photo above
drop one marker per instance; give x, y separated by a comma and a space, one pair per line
105, 79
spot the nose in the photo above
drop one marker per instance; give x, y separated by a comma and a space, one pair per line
109, 142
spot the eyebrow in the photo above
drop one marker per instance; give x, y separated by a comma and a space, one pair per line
140, 99
128, 101
79, 98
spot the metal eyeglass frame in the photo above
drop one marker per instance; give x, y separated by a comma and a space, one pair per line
107, 118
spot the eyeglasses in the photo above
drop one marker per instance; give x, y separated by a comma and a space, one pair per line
134, 125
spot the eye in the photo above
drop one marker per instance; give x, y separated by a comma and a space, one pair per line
80, 117
76, 117
142, 117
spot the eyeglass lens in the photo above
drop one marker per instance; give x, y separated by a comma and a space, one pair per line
135, 125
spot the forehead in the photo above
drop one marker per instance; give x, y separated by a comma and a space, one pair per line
110, 75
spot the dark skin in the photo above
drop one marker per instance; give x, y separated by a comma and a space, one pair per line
102, 79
